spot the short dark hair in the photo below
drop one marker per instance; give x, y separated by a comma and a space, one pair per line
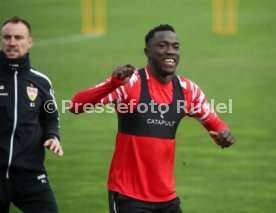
17, 19
161, 27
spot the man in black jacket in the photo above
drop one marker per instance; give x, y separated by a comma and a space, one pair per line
29, 122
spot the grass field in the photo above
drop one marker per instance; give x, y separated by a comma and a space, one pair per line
242, 67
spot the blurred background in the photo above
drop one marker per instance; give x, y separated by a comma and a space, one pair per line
229, 59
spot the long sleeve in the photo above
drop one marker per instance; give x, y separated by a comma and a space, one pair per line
110, 91
197, 107
94, 95
50, 116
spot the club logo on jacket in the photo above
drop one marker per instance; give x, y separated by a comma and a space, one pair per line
32, 93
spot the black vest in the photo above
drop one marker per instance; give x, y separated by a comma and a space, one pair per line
151, 119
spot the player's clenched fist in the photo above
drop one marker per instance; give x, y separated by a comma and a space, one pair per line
224, 138
124, 72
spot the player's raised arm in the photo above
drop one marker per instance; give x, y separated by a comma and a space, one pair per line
100, 93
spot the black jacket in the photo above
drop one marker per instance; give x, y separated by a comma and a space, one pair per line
28, 116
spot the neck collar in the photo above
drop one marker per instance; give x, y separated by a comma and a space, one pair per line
163, 81
12, 65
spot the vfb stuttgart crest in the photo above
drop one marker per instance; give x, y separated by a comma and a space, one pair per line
32, 93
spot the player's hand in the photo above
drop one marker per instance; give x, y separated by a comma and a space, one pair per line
124, 73
54, 146
224, 138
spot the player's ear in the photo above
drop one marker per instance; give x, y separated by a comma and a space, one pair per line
146, 51
30, 42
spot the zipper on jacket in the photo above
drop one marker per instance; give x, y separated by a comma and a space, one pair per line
14, 122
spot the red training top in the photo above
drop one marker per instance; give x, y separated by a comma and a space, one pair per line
142, 167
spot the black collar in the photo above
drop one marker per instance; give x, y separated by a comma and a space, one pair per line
12, 65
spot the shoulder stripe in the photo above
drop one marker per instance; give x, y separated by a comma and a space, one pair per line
183, 84
41, 75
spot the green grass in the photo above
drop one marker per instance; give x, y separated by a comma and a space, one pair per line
241, 67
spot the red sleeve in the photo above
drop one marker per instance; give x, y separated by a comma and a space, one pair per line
93, 95
197, 107
110, 91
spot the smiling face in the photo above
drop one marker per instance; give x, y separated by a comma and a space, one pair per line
16, 40
162, 52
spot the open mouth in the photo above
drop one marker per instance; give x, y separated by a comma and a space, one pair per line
170, 61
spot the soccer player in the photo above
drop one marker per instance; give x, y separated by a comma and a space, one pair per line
29, 122
150, 103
